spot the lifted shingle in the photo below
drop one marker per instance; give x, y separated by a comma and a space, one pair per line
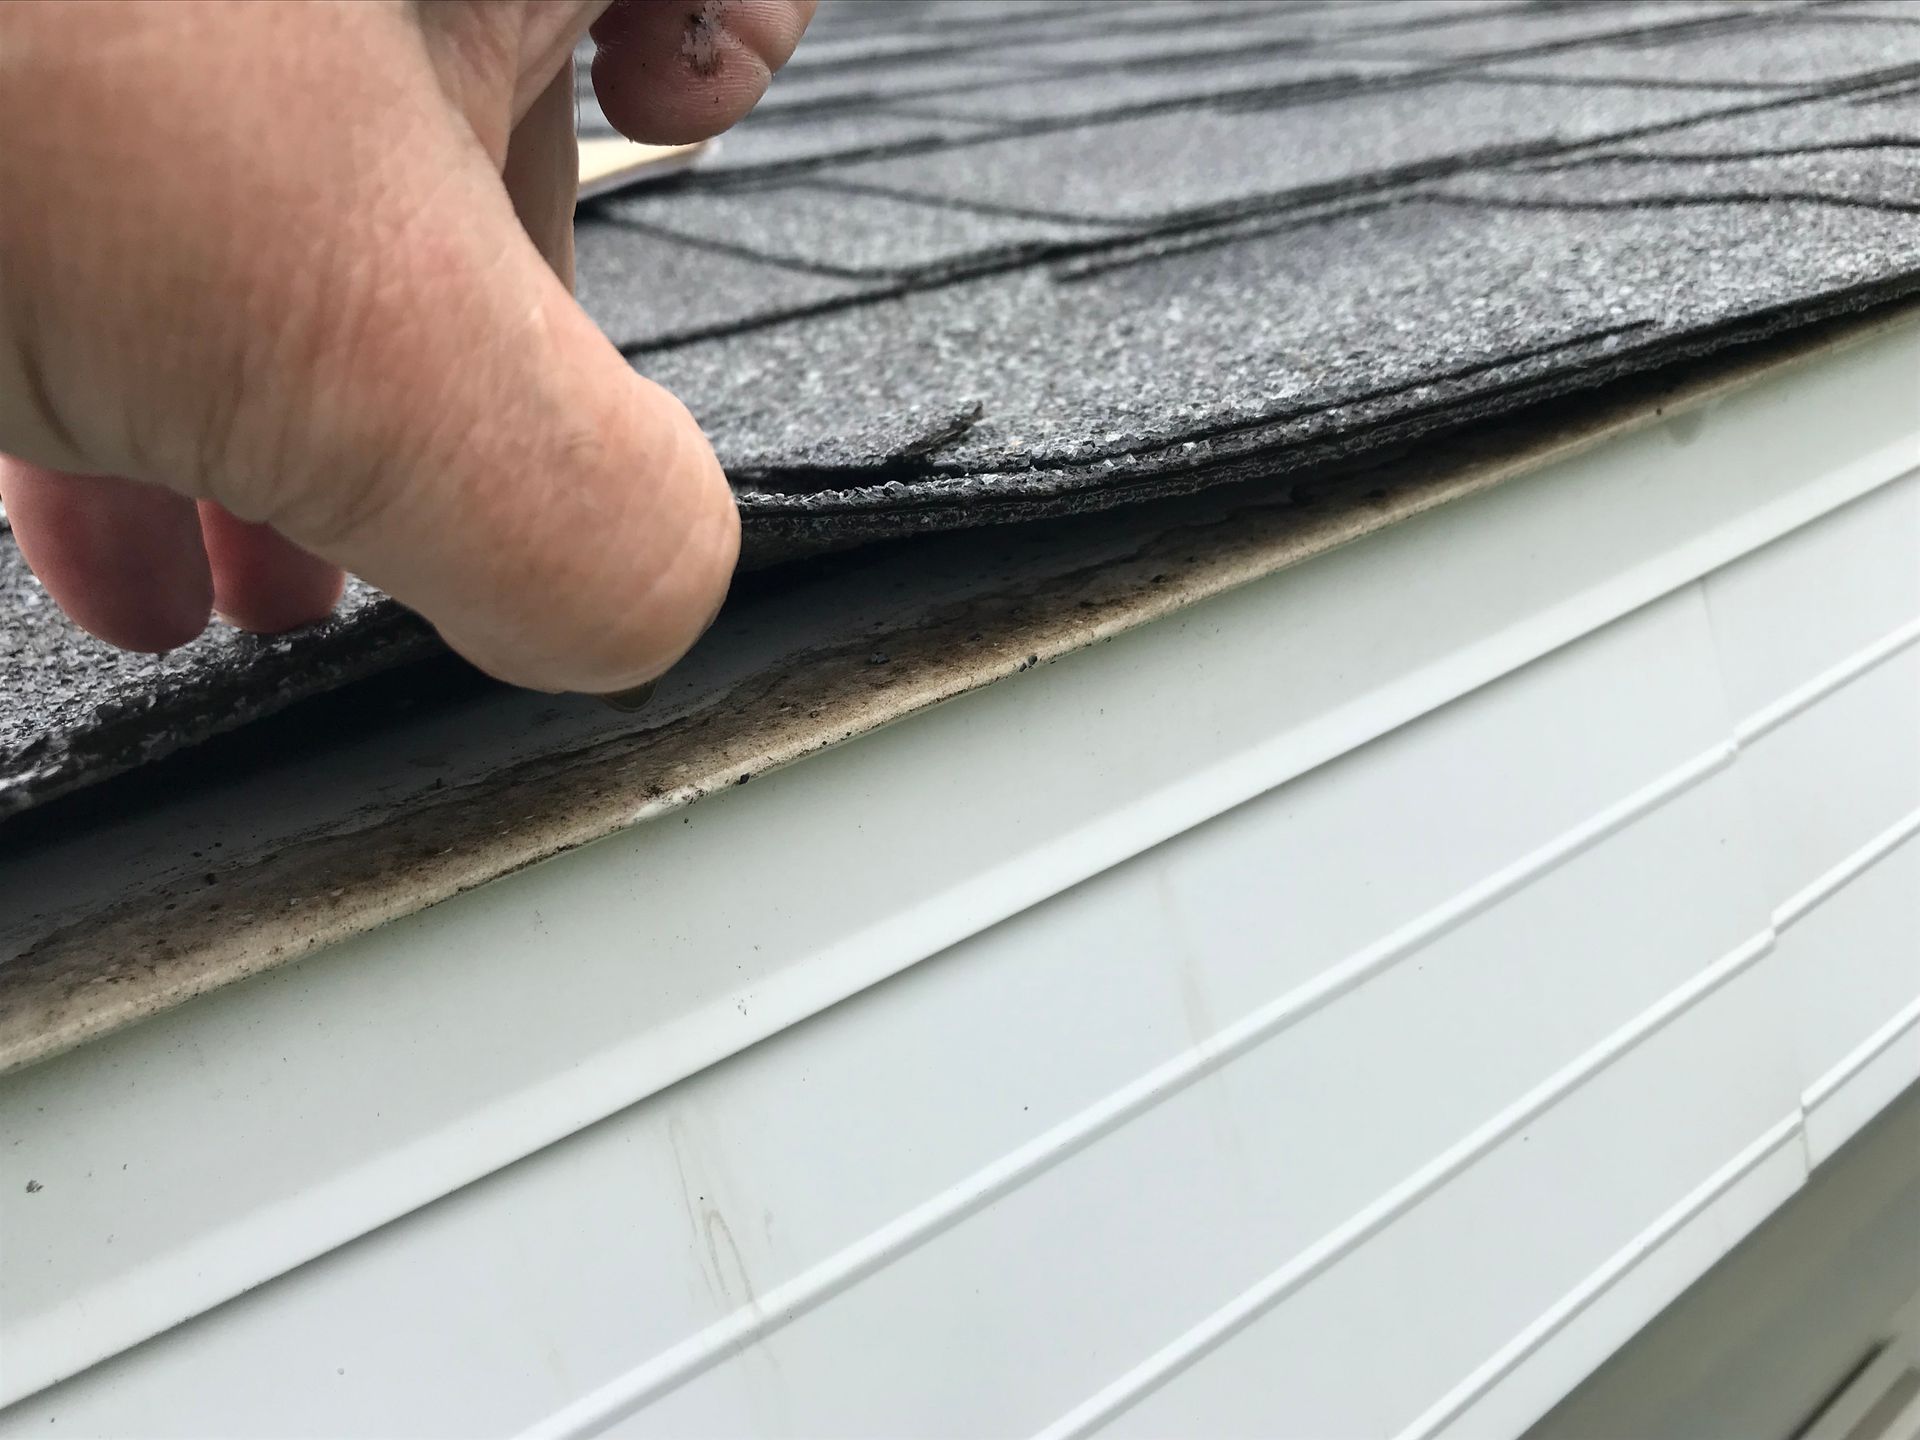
980, 261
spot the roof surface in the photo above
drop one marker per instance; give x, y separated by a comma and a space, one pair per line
980, 260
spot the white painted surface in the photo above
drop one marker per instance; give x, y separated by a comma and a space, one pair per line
1771, 1334
1347, 1008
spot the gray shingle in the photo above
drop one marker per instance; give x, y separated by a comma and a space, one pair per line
1088, 297
1805, 52
1258, 345
1889, 178
811, 137
647, 289
1396, 17
843, 233
1176, 163
74, 710
805, 133
1837, 124
1854, 150
1531, 29
1187, 47
1901, 12
1102, 92
843, 86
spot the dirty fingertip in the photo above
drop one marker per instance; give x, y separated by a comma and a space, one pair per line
674, 73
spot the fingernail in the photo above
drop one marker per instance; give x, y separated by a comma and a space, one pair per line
631, 700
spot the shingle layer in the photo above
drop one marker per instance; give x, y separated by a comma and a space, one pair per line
976, 260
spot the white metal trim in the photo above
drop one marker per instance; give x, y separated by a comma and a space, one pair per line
1157, 1369
1773, 716
1457, 1402
621, 1396
1855, 1090
1804, 903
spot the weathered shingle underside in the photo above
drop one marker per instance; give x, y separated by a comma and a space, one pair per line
982, 260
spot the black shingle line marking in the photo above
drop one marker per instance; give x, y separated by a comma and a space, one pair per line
1201, 60
781, 172
1894, 92
1207, 228
907, 108
1500, 156
939, 275
1268, 96
1262, 95
1040, 15
802, 480
1429, 22
1689, 28
805, 64
866, 101
1808, 94
890, 280
1285, 94
880, 293
1328, 86
1866, 88
1672, 202
1377, 436
1716, 157
1635, 82
1081, 20
937, 201
934, 112
1439, 377
1854, 17
670, 236
1145, 249
1146, 17
1307, 8
1204, 228
827, 108
1252, 225
1153, 19
883, 287
1275, 95
1369, 440
1282, 455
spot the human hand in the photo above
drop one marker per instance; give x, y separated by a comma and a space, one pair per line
285, 288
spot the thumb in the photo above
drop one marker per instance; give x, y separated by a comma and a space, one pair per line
311, 300
475, 447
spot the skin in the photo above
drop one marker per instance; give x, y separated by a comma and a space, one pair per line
285, 290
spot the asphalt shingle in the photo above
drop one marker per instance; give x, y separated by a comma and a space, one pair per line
74, 709
1173, 164
1389, 312
1093, 93
1811, 51
979, 260
647, 289
805, 224
1545, 27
